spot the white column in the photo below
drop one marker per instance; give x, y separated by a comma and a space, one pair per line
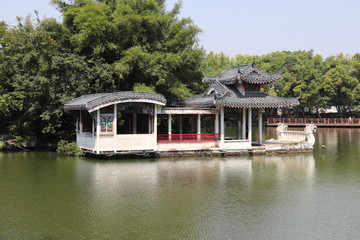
222, 127
260, 126
77, 130
155, 126
115, 126
169, 127
181, 126
249, 126
155, 120
93, 127
239, 129
98, 129
198, 126
81, 121
134, 126
77, 125
244, 123
216, 127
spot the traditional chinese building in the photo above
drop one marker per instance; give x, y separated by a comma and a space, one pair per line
121, 122
127, 122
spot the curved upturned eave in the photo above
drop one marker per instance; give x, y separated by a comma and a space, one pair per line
97, 101
208, 78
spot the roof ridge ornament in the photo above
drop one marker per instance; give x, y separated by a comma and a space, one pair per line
223, 87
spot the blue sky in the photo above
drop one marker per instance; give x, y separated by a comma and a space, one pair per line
253, 27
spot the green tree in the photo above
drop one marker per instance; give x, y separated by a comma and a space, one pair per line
38, 75
341, 83
144, 43
101, 46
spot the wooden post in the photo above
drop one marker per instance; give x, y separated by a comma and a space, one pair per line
249, 126
244, 123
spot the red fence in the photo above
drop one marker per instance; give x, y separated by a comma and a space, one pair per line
314, 120
203, 137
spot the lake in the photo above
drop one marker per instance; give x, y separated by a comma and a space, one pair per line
46, 196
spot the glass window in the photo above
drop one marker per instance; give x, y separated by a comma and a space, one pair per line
106, 122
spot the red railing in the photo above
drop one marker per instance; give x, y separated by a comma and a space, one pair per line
203, 137
314, 120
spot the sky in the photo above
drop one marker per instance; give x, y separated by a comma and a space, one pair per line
254, 27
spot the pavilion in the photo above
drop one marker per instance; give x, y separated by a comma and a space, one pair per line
127, 122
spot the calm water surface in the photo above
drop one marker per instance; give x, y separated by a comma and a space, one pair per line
297, 196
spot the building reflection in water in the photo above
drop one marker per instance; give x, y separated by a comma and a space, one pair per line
288, 164
124, 177
179, 195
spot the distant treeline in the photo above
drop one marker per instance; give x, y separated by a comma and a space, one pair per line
107, 46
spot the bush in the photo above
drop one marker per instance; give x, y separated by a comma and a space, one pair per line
68, 148
2, 145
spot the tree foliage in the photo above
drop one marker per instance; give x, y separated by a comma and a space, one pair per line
101, 46
144, 43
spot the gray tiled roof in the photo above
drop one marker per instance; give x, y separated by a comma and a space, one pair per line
233, 98
92, 101
255, 100
199, 101
248, 73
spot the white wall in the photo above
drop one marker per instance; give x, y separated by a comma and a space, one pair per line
136, 142
132, 142
86, 140
124, 142
236, 145
178, 146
